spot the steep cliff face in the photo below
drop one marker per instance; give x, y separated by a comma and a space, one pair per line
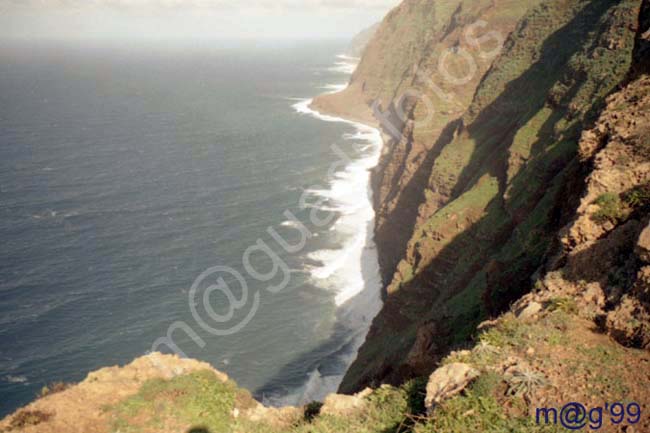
419, 74
602, 260
469, 205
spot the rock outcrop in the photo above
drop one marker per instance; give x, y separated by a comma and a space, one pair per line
81, 408
345, 405
602, 258
448, 381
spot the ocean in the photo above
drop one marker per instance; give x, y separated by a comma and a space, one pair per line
130, 173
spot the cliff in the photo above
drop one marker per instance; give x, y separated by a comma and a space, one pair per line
469, 205
418, 99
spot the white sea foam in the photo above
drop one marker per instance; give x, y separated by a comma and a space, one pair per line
346, 57
343, 67
349, 194
352, 269
333, 88
15, 379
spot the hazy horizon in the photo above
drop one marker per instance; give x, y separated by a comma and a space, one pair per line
190, 19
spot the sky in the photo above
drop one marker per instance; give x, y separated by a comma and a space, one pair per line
188, 19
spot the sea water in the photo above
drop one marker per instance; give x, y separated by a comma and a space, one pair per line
126, 172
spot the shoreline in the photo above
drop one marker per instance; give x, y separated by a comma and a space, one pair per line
346, 104
359, 296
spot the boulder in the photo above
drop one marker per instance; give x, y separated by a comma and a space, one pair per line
345, 405
282, 417
448, 381
530, 310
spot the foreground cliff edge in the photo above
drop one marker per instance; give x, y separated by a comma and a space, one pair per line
514, 237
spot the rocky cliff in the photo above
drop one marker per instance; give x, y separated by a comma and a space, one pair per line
419, 73
470, 199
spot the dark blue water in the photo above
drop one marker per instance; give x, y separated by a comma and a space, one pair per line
127, 172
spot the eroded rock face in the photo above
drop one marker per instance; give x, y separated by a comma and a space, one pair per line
628, 323
425, 350
448, 381
603, 267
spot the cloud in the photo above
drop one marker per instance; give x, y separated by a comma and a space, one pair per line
190, 19
289, 5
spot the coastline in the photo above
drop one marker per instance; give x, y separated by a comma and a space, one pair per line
346, 104
358, 297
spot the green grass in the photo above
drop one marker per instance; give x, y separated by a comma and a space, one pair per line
389, 410
601, 355
509, 332
198, 398
601, 364
564, 304
494, 403
479, 411
638, 197
616, 208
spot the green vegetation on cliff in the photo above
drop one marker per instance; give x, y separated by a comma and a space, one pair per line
501, 185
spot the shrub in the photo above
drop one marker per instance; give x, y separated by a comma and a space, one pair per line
53, 388
509, 332
416, 391
312, 410
522, 383
638, 197
612, 208
564, 304
26, 418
